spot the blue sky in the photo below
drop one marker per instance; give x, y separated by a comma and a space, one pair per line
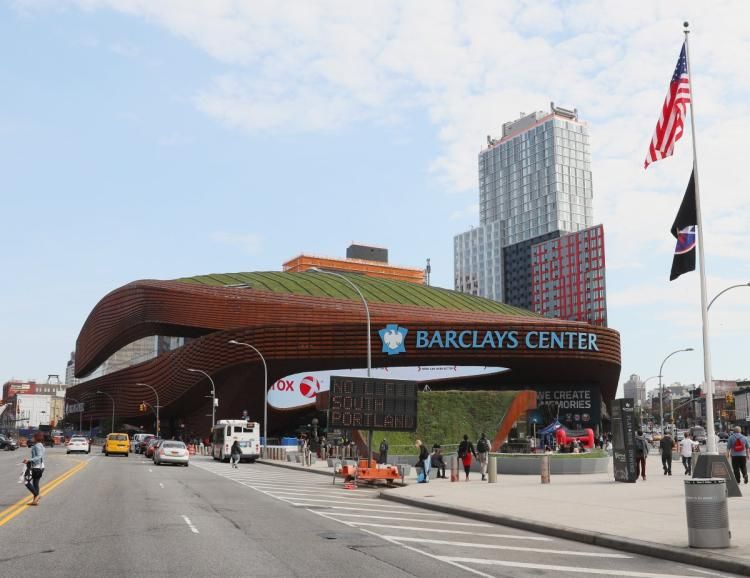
143, 139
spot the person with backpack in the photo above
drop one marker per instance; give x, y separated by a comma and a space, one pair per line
738, 450
383, 457
465, 451
641, 453
35, 466
235, 453
483, 452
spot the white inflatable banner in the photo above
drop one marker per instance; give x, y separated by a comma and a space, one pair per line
302, 389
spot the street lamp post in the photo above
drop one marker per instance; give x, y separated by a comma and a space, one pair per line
213, 395
265, 390
369, 337
720, 293
80, 413
113, 407
158, 423
661, 386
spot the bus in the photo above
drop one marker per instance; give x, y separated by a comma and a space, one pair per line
227, 430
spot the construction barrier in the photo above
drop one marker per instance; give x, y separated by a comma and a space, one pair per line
191, 449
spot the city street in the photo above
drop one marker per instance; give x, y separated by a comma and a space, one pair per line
121, 516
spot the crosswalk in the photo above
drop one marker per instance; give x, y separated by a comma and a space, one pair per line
476, 548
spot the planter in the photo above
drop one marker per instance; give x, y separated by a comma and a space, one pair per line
515, 464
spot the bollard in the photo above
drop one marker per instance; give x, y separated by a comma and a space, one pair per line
545, 468
454, 468
492, 470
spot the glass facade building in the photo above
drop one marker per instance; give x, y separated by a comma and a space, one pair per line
535, 185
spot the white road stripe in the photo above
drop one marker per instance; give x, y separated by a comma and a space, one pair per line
150, 470
303, 504
433, 556
556, 568
161, 485
462, 532
193, 529
514, 548
476, 524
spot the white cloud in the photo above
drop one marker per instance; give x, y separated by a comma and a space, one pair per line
249, 243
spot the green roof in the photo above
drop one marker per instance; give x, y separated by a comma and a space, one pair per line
374, 289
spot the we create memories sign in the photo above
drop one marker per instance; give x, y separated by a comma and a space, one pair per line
572, 406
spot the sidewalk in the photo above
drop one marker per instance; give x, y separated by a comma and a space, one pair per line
645, 517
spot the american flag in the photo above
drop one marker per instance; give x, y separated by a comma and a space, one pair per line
669, 127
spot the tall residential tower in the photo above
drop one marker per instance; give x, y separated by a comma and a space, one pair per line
534, 186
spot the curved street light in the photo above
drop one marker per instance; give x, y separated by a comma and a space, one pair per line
720, 293
661, 387
369, 343
265, 389
113, 408
158, 423
213, 396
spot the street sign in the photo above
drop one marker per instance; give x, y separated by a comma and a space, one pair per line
369, 403
623, 443
74, 408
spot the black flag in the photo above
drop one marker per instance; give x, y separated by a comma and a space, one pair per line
683, 230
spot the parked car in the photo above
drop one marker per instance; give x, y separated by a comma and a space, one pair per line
117, 443
171, 452
152, 445
698, 433
8, 444
78, 444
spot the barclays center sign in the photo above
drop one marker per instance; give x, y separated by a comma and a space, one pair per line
393, 337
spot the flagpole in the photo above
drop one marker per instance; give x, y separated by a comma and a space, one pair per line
707, 377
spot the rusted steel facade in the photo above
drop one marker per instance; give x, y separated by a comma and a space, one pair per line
296, 333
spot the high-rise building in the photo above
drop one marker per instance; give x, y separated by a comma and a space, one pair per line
635, 388
535, 187
567, 278
363, 259
70, 370
478, 264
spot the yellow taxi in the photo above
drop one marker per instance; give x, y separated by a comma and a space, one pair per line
117, 443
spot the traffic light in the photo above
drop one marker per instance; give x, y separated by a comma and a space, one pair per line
142, 407
730, 398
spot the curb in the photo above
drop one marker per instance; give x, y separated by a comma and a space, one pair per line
686, 556
295, 468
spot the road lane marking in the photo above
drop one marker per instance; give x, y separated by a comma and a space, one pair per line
150, 470
476, 524
514, 548
556, 568
11, 512
305, 505
462, 532
433, 556
192, 527
161, 485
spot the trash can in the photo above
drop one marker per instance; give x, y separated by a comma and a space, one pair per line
707, 514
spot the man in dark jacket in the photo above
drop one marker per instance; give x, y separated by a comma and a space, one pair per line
665, 445
383, 457
424, 460
641, 453
483, 452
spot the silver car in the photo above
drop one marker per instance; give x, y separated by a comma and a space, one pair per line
171, 452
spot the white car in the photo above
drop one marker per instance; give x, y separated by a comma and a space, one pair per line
78, 444
171, 452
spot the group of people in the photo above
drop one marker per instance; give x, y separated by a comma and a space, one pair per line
738, 451
466, 454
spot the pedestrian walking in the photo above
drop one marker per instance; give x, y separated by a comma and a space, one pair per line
383, 457
437, 461
423, 461
686, 453
36, 465
465, 452
235, 453
641, 453
738, 449
666, 445
483, 453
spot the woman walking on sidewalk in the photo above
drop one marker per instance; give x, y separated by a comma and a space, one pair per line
36, 465
236, 453
465, 451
